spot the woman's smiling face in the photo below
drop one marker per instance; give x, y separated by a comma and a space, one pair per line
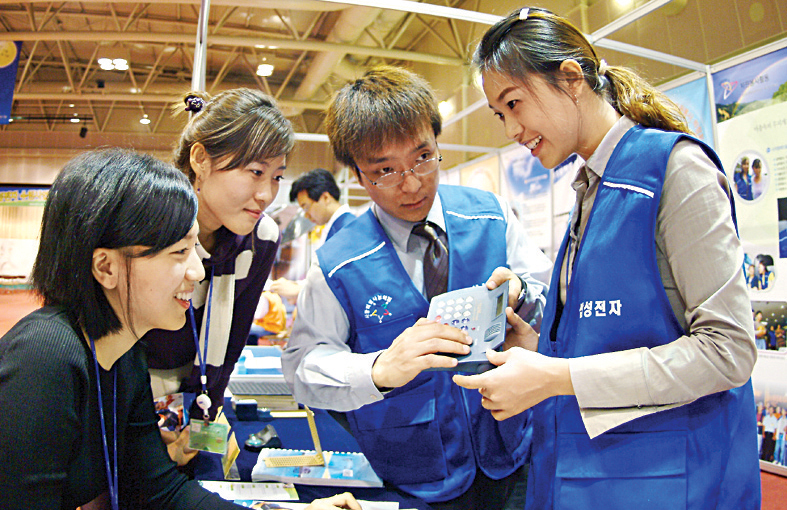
236, 198
540, 117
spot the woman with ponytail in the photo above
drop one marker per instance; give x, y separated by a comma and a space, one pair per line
233, 151
639, 383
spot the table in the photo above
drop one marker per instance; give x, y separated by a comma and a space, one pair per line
294, 434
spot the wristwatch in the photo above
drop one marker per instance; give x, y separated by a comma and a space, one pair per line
522, 293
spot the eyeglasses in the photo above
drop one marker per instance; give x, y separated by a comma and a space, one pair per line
306, 206
390, 179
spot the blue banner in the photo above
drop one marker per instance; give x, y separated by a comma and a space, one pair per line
9, 61
692, 98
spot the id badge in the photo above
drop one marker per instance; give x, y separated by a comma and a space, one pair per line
209, 438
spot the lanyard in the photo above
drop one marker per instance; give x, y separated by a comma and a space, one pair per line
112, 474
203, 400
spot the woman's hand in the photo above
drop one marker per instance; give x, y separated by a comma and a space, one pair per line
344, 500
178, 446
521, 380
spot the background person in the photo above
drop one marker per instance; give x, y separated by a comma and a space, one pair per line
357, 343
646, 348
317, 194
759, 183
743, 180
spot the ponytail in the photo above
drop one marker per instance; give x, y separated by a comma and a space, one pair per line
635, 98
533, 41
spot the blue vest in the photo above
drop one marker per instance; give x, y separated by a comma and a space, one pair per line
339, 222
697, 456
429, 436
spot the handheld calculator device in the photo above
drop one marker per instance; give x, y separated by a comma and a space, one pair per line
481, 313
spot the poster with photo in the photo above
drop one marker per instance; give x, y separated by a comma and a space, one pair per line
770, 397
541, 198
751, 108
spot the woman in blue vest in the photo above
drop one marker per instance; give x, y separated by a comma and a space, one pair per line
640, 386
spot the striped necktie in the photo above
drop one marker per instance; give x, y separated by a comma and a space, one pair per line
435, 259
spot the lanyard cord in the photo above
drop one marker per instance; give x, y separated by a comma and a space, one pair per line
112, 474
203, 357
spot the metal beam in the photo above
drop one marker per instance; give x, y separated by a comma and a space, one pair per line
147, 98
223, 40
627, 19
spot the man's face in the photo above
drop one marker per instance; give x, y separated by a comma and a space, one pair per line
316, 211
411, 199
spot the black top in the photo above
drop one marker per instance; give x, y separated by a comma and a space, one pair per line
50, 431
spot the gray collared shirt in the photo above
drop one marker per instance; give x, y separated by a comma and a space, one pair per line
318, 363
700, 258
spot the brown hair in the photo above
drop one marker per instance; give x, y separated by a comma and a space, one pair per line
539, 43
244, 123
387, 105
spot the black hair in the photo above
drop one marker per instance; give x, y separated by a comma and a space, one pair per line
109, 198
535, 42
315, 183
386, 105
243, 123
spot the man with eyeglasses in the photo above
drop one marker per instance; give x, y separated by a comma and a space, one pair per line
317, 193
360, 343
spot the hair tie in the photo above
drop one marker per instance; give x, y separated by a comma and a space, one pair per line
194, 103
602, 67
523, 13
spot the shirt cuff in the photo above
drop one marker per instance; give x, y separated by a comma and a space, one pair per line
360, 379
610, 380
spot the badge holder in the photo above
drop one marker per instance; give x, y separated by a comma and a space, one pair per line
300, 460
206, 435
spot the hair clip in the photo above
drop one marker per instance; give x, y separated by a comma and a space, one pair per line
194, 103
602, 67
523, 13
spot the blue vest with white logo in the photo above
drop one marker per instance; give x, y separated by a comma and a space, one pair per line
697, 456
429, 436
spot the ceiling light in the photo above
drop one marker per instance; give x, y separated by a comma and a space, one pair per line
71, 105
264, 69
75, 120
107, 64
144, 120
446, 108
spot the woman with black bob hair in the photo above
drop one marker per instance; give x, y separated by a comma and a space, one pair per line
640, 387
77, 405
116, 259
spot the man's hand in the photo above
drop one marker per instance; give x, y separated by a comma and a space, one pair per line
520, 334
415, 350
343, 500
502, 274
285, 288
521, 380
